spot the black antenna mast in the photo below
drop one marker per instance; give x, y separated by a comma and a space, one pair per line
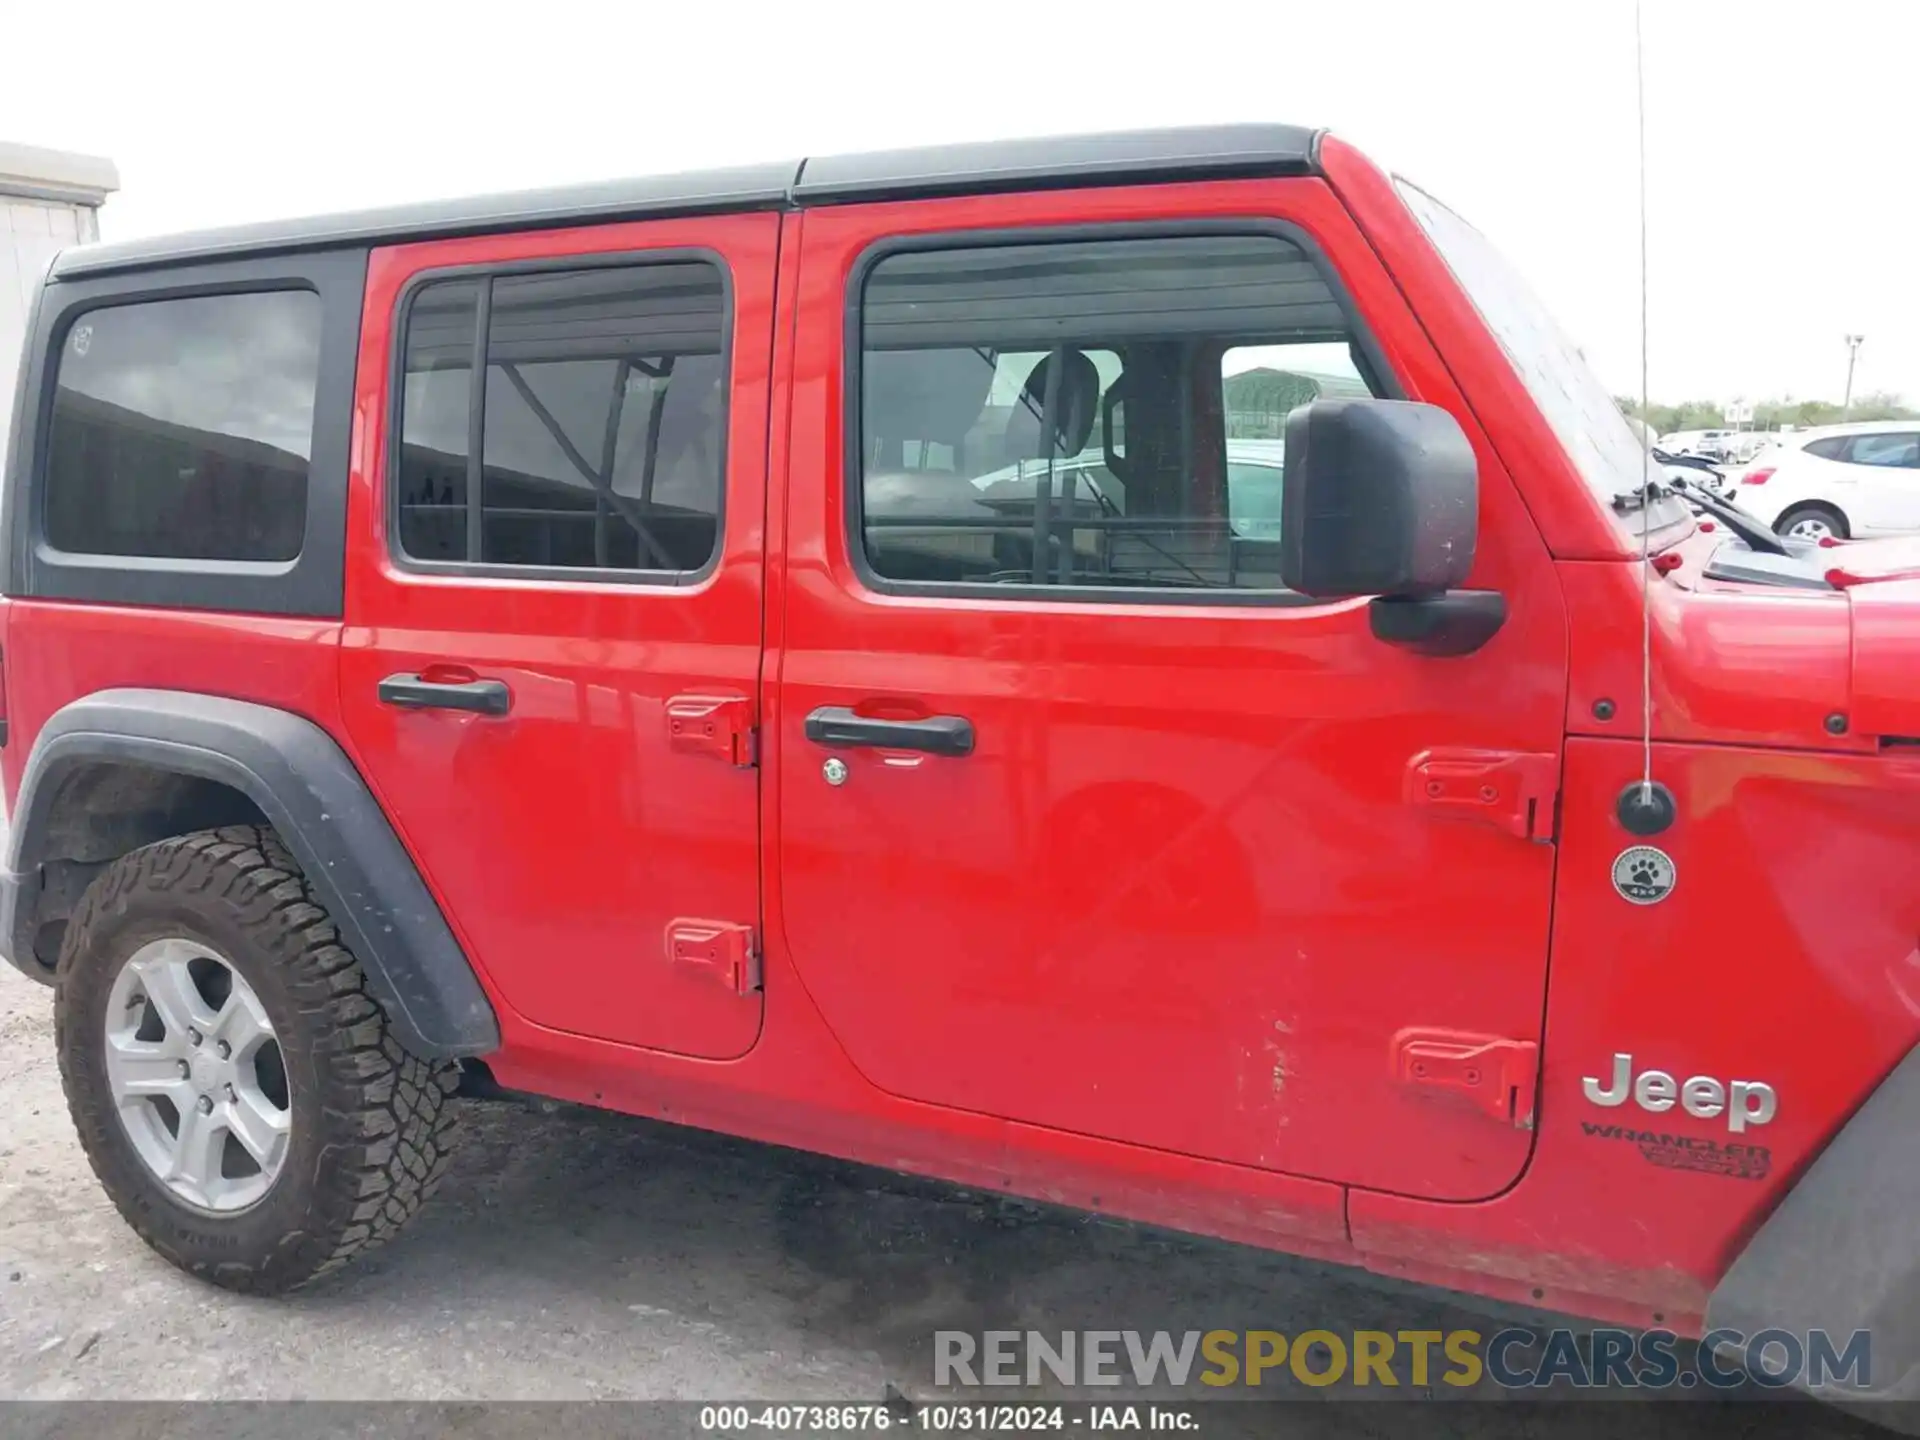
1645, 808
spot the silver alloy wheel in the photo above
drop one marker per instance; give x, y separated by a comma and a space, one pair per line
197, 1076
1811, 527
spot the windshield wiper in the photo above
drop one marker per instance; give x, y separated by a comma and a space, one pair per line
1754, 532
1747, 527
1625, 502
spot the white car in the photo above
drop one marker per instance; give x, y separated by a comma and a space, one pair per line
1839, 481
1707, 444
1743, 445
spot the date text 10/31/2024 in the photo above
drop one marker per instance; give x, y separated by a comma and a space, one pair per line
942, 1417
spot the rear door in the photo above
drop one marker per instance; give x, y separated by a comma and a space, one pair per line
1885, 469
1086, 823
554, 610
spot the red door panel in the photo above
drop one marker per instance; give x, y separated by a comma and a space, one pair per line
1181, 892
566, 836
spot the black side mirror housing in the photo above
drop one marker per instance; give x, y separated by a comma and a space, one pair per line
1380, 497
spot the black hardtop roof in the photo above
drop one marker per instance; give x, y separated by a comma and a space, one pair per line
1111, 158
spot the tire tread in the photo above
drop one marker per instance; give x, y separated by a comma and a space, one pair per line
389, 1126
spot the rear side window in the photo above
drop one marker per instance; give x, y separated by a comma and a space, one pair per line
183, 428
1899, 450
1832, 448
1098, 413
594, 440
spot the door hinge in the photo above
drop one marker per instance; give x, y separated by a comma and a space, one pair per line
718, 948
1498, 1074
1517, 793
718, 726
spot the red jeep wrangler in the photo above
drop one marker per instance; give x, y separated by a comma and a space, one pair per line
1107, 668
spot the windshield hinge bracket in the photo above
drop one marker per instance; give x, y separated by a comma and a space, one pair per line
1513, 791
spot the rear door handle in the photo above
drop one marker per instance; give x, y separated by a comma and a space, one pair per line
411, 692
937, 734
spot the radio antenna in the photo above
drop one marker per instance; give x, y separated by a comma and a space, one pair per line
1647, 808
1646, 419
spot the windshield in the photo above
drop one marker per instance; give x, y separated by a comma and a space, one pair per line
1582, 413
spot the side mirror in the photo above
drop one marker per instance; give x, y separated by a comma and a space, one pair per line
1382, 498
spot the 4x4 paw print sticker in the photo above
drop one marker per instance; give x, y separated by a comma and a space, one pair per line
1643, 875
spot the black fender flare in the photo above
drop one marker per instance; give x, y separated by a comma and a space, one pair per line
1841, 1251
308, 789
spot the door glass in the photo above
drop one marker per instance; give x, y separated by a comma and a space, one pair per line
1262, 385
1892, 451
1103, 414
602, 419
434, 414
182, 428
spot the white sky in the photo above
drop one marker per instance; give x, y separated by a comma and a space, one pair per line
1784, 137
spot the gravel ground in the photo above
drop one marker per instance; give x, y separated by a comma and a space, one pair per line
580, 1256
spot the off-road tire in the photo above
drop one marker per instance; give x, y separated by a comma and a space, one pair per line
371, 1124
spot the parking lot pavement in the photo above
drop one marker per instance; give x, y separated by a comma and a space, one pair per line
584, 1256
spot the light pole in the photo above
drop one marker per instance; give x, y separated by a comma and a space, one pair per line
1853, 352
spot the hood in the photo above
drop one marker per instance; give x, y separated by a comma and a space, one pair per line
1867, 562
1881, 581
1883, 595
1809, 668
1733, 663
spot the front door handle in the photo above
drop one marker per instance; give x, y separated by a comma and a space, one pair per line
413, 692
937, 734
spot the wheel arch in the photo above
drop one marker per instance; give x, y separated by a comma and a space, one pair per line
1840, 1252
119, 769
1815, 503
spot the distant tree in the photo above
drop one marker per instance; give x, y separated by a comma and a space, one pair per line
1769, 414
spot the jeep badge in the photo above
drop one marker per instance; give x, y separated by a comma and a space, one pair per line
1744, 1102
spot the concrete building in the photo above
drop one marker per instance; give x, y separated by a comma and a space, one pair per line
48, 201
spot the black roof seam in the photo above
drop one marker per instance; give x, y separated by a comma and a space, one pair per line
1142, 156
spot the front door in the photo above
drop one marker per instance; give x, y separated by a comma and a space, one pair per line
1085, 822
551, 657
